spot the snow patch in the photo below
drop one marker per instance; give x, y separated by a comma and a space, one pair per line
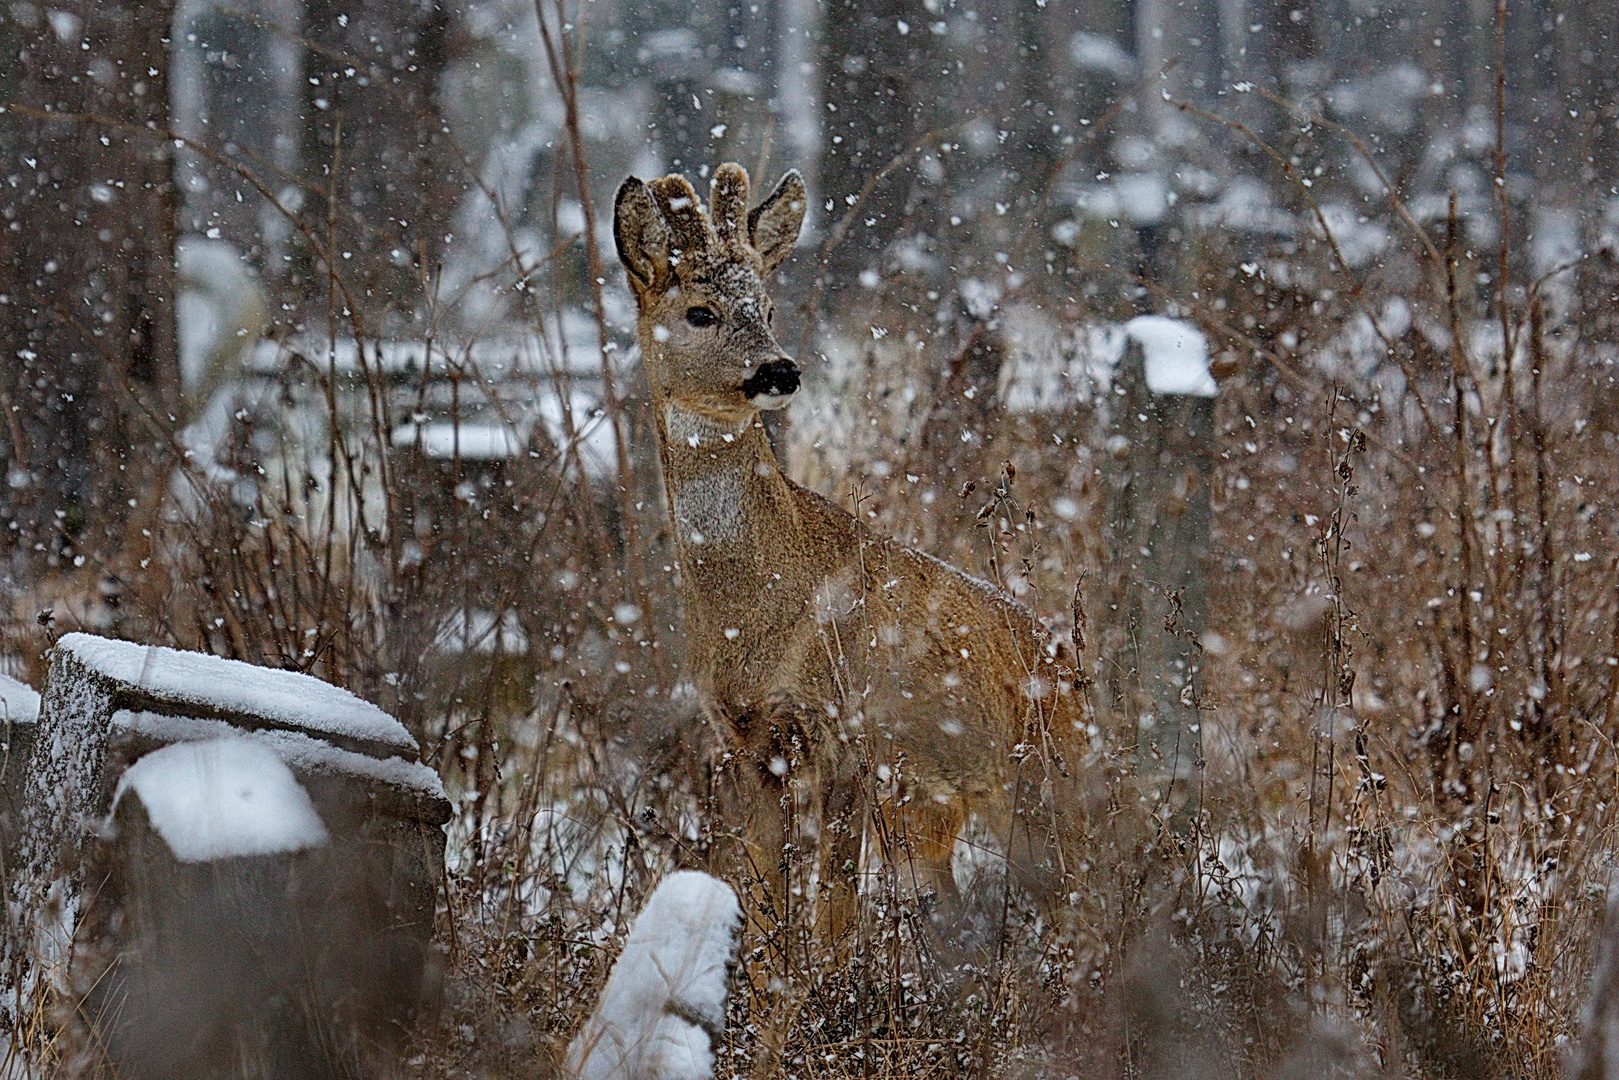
479, 630
1176, 355
1390, 98
219, 311
1144, 197
665, 1000
1050, 367
283, 697
446, 439
1358, 349
1093, 52
1247, 205
1141, 198
592, 434
19, 702
979, 298
1554, 239
222, 799
1360, 239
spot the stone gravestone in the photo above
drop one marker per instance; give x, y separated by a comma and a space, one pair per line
223, 870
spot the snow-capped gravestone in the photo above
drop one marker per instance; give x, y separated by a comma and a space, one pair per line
1160, 458
222, 864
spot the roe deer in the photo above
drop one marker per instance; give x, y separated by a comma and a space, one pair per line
820, 650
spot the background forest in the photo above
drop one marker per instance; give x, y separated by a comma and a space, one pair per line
317, 355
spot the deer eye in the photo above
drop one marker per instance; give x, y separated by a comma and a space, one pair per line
701, 317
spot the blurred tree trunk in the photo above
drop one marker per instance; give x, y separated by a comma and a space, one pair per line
236, 77
90, 383
375, 148
1181, 39
879, 77
1587, 59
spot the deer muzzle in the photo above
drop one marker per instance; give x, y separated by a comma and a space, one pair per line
772, 384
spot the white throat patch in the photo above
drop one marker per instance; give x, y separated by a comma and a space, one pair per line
693, 430
708, 509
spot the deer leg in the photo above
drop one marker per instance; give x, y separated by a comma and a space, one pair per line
764, 748
926, 831
768, 857
842, 831
749, 831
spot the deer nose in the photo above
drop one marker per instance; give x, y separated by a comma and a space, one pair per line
777, 378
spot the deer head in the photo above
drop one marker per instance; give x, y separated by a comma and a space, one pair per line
699, 282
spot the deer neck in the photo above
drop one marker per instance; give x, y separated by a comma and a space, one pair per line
725, 488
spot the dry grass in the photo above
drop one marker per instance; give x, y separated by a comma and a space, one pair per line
1391, 855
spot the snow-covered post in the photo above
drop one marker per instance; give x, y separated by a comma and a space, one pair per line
1160, 453
266, 854
664, 1005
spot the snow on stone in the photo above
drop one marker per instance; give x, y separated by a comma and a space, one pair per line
306, 755
1360, 239
1176, 355
1247, 205
222, 799
1144, 197
665, 1000
1358, 349
1093, 52
19, 702
1051, 367
446, 439
285, 697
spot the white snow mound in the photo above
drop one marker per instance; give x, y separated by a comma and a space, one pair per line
19, 703
287, 697
222, 799
1176, 355
666, 995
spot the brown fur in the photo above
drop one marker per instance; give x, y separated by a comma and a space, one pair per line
819, 648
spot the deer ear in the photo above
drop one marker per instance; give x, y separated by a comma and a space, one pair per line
641, 235
773, 225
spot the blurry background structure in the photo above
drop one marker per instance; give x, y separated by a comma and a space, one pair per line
314, 352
